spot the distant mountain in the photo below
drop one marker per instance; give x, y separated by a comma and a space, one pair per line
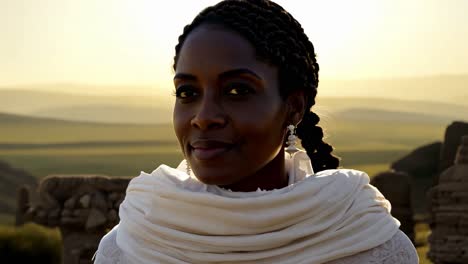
29, 102
17, 119
439, 88
109, 114
329, 105
368, 114
22, 129
91, 89
157, 108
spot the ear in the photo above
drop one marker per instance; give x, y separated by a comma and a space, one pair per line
296, 103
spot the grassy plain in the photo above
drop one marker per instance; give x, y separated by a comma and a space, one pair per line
43, 147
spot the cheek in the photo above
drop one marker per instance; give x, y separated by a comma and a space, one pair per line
181, 123
263, 129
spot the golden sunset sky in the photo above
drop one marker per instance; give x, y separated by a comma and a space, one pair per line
121, 42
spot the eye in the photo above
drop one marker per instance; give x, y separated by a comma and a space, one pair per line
239, 89
185, 92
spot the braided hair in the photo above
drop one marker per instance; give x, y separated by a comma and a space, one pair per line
280, 40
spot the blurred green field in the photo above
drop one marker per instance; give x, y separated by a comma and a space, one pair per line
126, 149
41, 165
38, 130
44, 147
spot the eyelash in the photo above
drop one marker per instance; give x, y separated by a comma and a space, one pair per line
245, 88
184, 88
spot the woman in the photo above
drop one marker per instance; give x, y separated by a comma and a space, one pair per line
245, 80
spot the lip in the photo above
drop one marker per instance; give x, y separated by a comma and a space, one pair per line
208, 149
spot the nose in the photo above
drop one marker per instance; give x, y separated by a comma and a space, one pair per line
209, 115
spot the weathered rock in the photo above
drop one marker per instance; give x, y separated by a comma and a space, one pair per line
396, 187
70, 221
81, 207
421, 162
449, 213
422, 165
66, 212
55, 213
79, 247
110, 204
70, 203
453, 135
462, 153
112, 216
95, 219
85, 201
99, 201
114, 196
81, 213
454, 174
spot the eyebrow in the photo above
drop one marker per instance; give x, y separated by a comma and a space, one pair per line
224, 75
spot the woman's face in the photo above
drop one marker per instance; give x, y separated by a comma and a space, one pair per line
229, 117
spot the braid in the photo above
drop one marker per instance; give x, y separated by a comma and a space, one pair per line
311, 139
280, 40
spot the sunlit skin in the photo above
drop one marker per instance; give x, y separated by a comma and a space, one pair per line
229, 117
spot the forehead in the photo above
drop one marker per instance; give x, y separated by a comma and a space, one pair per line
211, 49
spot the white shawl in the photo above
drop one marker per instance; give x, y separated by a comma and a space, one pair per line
169, 217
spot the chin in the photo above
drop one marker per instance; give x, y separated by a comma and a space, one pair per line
214, 178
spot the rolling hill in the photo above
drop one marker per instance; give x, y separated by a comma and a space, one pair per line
437, 88
151, 109
330, 105
39, 130
377, 115
110, 114
30, 102
366, 139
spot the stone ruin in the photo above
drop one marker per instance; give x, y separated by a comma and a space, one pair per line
453, 134
84, 208
449, 207
396, 187
438, 193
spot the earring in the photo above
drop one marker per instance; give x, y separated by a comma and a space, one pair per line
298, 159
292, 138
188, 169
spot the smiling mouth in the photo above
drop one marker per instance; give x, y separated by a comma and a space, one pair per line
208, 150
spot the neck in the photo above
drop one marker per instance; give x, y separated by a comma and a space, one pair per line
272, 176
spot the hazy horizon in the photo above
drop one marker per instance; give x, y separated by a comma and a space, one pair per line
123, 43
21, 84
438, 88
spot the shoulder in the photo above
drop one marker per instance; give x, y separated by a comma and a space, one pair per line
343, 176
398, 250
108, 251
349, 173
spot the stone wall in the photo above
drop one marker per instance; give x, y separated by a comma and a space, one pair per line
449, 207
84, 208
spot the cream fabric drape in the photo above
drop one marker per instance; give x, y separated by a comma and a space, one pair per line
170, 217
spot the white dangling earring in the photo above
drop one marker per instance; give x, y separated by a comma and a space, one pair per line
300, 162
188, 169
292, 141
